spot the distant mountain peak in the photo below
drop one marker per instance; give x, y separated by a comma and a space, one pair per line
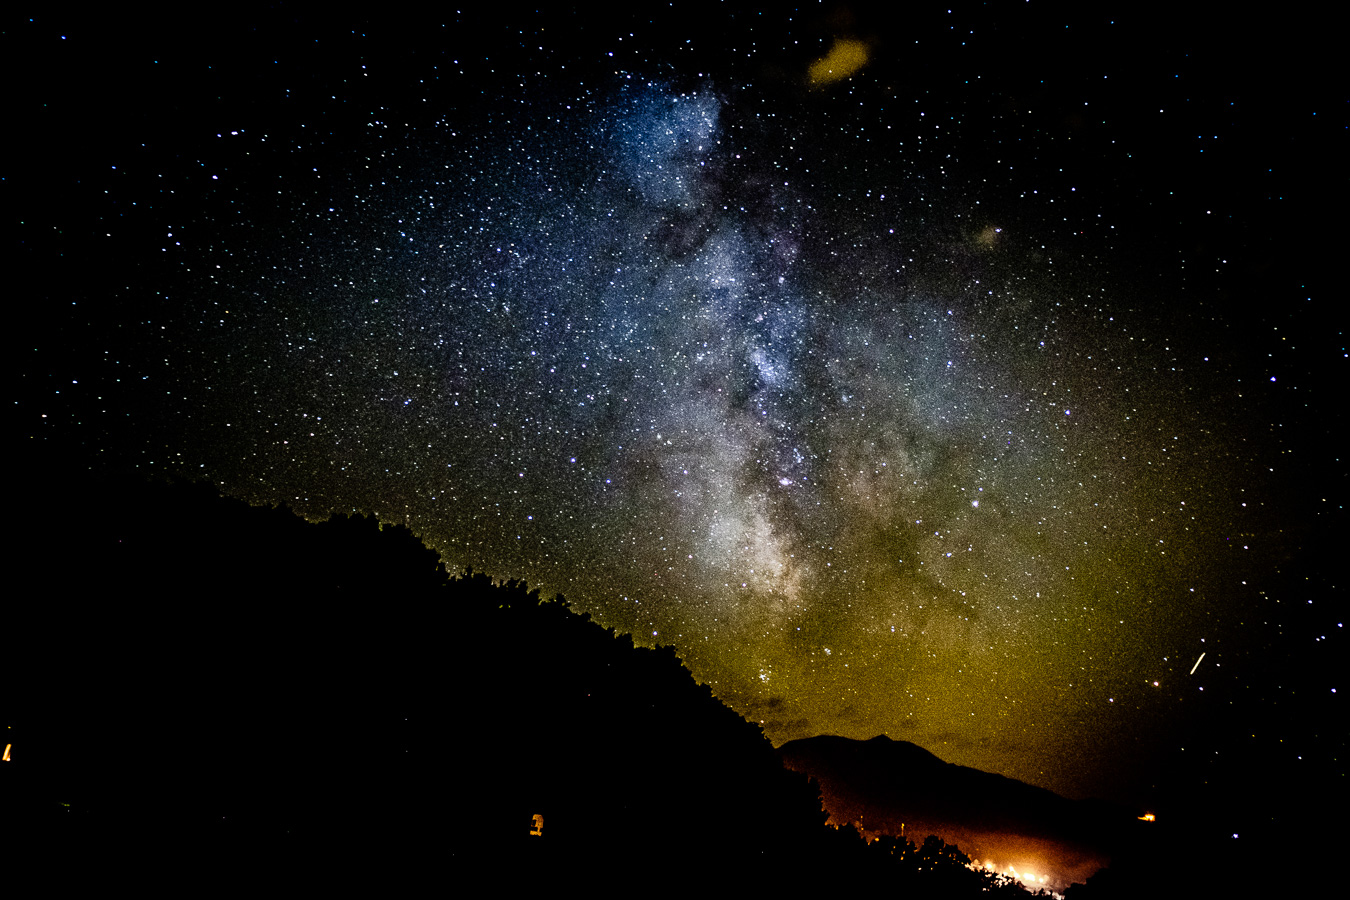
890, 787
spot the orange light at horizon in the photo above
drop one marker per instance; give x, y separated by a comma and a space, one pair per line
1029, 879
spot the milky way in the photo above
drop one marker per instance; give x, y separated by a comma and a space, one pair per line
865, 396
851, 472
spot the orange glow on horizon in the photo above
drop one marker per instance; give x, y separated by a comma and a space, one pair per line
1028, 879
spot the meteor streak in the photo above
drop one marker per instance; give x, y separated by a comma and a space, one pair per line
1197, 664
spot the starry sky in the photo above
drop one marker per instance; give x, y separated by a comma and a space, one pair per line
962, 377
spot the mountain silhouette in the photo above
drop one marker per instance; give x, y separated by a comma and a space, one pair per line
207, 693
889, 787
201, 688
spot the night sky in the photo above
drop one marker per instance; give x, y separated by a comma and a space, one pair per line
963, 376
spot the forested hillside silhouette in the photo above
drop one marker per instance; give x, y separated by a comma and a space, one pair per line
894, 787
201, 691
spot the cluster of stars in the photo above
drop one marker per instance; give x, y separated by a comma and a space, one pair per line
867, 390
